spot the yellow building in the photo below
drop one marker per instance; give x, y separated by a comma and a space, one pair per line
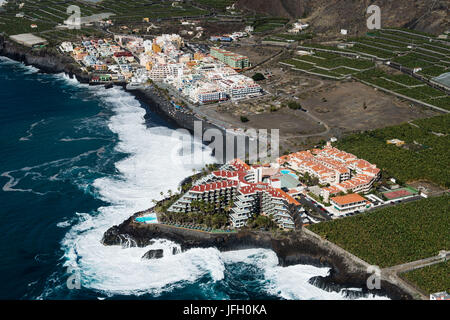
199, 56
156, 48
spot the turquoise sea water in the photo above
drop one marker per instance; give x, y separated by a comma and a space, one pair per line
76, 160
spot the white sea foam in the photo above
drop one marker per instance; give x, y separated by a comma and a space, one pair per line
27, 69
70, 80
141, 176
30, 130
15, 176
290, 282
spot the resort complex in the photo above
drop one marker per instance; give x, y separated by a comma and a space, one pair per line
244, 189
274, 189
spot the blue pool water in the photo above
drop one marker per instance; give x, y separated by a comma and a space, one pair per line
285, 171
147, 219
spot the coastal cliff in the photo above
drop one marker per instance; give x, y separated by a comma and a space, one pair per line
291, 248
47, 60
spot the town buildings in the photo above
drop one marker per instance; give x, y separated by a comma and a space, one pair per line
440, 296
197, 76
234, 60
247, 190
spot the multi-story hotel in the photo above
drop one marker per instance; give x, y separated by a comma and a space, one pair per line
240, 186
234, 60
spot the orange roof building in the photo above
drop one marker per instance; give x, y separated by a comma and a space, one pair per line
350, 203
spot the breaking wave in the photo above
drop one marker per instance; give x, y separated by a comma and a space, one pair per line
148, 168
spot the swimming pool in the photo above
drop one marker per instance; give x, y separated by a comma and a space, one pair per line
151, 218
289, 172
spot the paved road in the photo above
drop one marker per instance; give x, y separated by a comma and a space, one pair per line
417, 264
392, 273
390, 204
308, 203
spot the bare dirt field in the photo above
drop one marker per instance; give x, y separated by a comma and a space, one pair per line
255, 53
353, 106
333, 108
428, 187
289, 122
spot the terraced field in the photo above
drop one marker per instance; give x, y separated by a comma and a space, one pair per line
48, 13
265, 24
328, 64
407, 51
406, 85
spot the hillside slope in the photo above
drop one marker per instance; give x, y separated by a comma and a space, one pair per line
332, 15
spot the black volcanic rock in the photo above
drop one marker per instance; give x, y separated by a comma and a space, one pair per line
291, 248
47, 60
153, 254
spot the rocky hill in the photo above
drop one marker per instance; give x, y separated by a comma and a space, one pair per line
332, 15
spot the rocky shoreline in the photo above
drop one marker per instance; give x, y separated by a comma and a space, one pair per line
294, 248
50, 61
291, 248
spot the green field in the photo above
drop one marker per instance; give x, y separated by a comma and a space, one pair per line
405, 85
330, 64
427, 158
410, 50
48, 13
430, 279
217, 4
393, 235
266, 24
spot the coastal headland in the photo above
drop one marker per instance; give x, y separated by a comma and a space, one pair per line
295, 247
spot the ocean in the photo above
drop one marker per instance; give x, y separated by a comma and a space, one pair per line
76, 160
